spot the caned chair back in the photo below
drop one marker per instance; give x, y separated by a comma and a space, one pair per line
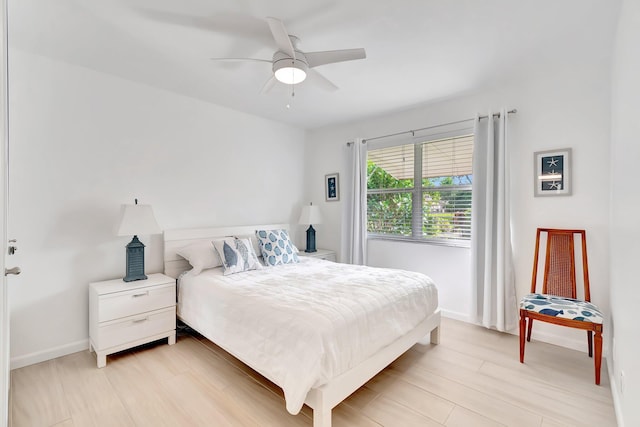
559, 274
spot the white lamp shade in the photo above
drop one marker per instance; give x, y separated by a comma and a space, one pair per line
138, 220
310, 215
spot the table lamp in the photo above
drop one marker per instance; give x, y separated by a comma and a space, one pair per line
136, 219
310, 215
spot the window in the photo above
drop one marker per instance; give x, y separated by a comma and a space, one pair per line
421, 191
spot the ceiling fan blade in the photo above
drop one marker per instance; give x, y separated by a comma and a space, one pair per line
281, 36
321, 81
329, 57
241, 59
268, 85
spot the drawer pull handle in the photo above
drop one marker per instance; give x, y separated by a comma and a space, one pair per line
144, 294
144, 319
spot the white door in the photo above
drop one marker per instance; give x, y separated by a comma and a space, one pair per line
4, 308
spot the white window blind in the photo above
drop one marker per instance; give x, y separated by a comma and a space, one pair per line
421, 191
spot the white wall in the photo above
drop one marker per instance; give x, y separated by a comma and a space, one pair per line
566, 105
449, 267
624, 228
82, 144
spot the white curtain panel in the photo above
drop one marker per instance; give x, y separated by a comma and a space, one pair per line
354, 237
494, 295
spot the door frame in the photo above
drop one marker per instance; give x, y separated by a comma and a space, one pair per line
4, 138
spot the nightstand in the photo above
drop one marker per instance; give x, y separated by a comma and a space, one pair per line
325, 254
127, 314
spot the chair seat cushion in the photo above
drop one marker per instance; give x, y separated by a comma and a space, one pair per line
566, 308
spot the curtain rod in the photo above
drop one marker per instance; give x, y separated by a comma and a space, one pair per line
431, 127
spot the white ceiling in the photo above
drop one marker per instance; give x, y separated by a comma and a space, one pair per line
418, 51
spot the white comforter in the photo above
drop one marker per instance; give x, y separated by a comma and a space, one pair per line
302, 324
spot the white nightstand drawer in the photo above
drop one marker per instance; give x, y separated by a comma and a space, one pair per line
136, 327
140, 300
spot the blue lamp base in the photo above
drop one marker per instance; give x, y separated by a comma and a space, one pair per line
311, 239
135, 261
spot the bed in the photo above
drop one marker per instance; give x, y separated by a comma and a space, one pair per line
317, 329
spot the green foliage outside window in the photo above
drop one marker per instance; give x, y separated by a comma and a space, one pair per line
388, 213
446, 205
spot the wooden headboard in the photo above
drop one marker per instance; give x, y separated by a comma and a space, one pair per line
174, 264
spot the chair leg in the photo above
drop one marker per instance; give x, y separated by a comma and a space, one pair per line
590, 342
598, 357
523, 323
529, 326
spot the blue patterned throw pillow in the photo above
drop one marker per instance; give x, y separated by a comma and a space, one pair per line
276, 247
237, 255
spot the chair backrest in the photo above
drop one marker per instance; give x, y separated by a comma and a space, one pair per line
559, 274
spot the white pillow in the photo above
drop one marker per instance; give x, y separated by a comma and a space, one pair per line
201, 256
276, 247
237, 255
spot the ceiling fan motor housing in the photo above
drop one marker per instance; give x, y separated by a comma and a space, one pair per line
281, 60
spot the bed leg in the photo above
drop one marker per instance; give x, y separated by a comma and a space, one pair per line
435, 335
321, 418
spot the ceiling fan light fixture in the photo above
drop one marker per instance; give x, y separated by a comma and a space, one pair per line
290, 71
290, 75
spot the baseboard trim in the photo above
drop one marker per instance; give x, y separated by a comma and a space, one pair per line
48, 354
455, 315
614, 393
540, 335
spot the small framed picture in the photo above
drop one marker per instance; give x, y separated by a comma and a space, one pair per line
552, 175
331, 187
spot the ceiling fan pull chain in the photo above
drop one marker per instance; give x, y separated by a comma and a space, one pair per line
293, 95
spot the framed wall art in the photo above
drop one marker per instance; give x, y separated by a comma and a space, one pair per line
552, 175
331, 187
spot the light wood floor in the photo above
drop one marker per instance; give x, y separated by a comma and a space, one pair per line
472, 379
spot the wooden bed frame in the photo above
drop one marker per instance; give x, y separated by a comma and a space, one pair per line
324, 398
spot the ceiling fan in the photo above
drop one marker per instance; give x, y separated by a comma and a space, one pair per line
291, 66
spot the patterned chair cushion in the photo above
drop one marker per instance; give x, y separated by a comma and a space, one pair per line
565, 308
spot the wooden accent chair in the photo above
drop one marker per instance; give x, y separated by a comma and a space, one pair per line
557, 302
